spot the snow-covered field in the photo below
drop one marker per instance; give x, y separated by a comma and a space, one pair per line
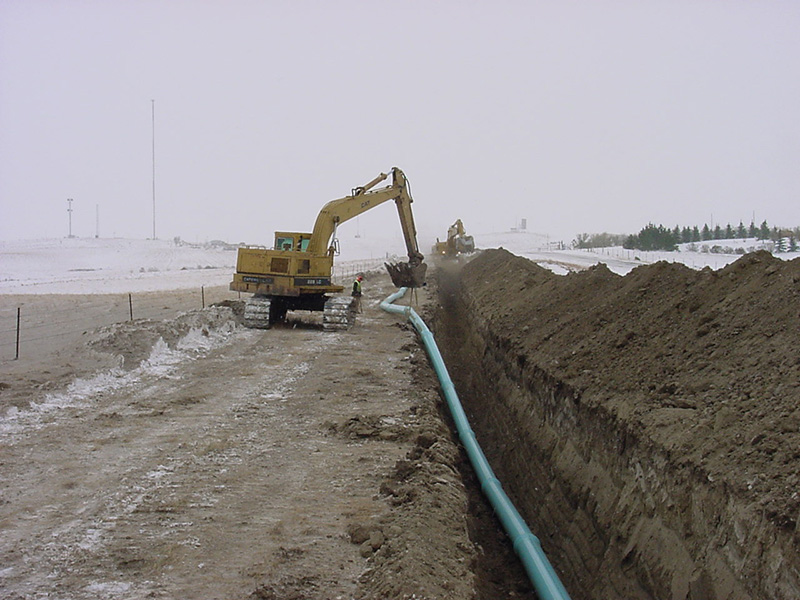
99, 265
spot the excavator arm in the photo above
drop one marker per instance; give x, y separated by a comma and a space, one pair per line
412, 273
336, 212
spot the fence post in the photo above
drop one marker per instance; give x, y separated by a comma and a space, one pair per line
203, 295
16, 357
130, 304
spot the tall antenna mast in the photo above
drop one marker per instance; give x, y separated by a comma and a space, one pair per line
69, 212
153, 103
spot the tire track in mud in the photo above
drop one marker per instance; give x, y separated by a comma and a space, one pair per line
158, 472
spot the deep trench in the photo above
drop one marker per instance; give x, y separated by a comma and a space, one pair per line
498, 572
646, 427
516, 411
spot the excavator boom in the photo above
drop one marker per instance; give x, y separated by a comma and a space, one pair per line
336, 212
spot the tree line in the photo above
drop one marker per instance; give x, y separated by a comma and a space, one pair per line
658, 237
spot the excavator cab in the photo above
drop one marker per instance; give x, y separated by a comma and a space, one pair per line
292, 241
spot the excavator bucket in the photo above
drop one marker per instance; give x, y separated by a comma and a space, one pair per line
407, 275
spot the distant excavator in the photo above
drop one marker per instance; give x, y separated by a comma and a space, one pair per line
296, 273
458, 242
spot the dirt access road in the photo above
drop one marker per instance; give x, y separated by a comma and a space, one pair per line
222, 462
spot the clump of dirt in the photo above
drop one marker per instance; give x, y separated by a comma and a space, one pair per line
133, 341
383, 427
703, 366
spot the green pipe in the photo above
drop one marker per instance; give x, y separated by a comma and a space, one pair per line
527, 546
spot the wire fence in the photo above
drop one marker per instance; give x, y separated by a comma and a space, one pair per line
344, 273
36, 324
48, 322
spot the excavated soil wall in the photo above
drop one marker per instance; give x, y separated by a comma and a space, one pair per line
648, 426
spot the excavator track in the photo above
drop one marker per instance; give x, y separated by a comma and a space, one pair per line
256, 312
339, 313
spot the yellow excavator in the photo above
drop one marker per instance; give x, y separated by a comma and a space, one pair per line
458, 242
296, 273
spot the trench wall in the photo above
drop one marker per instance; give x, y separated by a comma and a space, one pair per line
619, 514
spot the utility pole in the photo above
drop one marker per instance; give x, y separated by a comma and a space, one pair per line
69, 212
153, 104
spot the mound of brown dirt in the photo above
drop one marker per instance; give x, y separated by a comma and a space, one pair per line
701, 368
722, 344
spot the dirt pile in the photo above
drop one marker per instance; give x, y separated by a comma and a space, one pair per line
133, 341
685, 384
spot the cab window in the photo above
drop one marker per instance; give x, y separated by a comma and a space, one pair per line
284, 243
304, 245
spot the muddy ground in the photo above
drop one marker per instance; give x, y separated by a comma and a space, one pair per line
648, 426
193, 458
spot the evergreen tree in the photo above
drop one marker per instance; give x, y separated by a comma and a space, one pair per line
658, 237
652, 237
630, 242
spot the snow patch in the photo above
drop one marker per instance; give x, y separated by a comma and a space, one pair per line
162, 363
91, 539
109, 588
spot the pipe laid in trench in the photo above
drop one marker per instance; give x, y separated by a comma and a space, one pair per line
527, 546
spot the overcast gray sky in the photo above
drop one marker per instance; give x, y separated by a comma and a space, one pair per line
585, 116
